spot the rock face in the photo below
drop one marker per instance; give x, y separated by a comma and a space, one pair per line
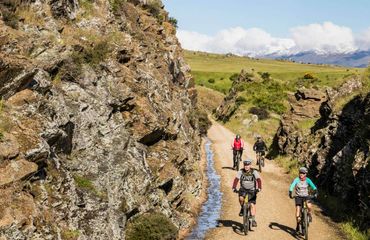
231, 102
94, 119
336, 150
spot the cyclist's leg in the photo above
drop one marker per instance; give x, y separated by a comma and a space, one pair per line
234, 157
309, 207
252, 200
241, 200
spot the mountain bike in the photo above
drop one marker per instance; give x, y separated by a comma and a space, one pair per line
247, 217
237, 159
304, 222
260, 160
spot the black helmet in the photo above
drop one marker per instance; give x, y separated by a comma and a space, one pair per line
237, 136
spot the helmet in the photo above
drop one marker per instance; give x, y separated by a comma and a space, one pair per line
247, 162
237, 136
259, 137
303, 170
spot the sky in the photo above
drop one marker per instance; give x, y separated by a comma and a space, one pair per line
262, 27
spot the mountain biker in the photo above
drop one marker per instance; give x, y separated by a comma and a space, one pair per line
260, 147
300, 185
250, 183
237, 145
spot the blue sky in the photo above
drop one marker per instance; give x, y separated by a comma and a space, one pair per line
277, 18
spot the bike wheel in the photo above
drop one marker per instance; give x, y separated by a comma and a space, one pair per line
263, 161
245, 219
305, 224
260, 164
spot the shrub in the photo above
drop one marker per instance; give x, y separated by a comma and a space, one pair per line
308, 76
199, 118
240, 100
155, 226
260, 112
173, 22
211, 80
10, 18
234, 77
264, 75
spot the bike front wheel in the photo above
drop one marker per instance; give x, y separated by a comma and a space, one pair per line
305, 224
246, 219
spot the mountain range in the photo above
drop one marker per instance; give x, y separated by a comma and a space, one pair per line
354, 59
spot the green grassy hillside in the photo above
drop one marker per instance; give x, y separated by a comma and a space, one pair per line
216, 71
207, 66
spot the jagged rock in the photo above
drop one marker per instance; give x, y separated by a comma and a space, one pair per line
337, 148
9, 147
16, 170
100, 110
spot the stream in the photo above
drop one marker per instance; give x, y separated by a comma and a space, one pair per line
211, 209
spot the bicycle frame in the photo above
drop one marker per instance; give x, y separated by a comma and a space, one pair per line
304, 223
246, 214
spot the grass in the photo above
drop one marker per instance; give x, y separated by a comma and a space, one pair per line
354, 233
151, 226
206, 65
289, 165
70, 234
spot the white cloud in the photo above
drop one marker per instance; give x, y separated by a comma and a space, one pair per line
321, 38
363, 40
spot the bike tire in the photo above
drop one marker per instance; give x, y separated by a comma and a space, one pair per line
245, 219
305, 224
260, 165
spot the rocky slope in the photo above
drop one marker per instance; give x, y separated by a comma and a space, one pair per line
336, 149
95, 119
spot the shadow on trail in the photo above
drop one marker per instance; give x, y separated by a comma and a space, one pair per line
278, 226
230, 168
236, 226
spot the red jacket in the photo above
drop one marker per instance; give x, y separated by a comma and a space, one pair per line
237, 145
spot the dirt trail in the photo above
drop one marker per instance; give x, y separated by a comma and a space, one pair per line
275, 211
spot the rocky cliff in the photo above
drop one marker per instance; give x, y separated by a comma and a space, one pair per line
95, 121
336, 147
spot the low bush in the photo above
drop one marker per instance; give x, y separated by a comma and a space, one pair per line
211, 80
308, 76
155, 226
173, 22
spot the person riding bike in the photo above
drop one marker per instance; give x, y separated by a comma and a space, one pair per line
260, 147
300, 185
250, 183
237, 145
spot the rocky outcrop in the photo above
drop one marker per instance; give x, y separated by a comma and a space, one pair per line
336, 150
232, 101
95, 126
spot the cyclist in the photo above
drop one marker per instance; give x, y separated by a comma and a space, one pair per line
237, 145
300, 185
250, 183
260, 147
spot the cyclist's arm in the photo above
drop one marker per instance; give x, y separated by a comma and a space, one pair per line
264, 146
242, 143
236, 180
258, 179
254, 147
293, 184
310, 183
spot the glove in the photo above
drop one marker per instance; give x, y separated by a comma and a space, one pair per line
315, 194
290, 194
258, 190
234, 190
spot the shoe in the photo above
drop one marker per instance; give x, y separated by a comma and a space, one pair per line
297, 228
241, 212
254, 223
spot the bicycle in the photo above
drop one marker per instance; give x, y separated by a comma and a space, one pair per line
237, 159
247, 217
260, 161
304, 222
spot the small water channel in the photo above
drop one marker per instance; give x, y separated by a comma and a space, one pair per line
211, 209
